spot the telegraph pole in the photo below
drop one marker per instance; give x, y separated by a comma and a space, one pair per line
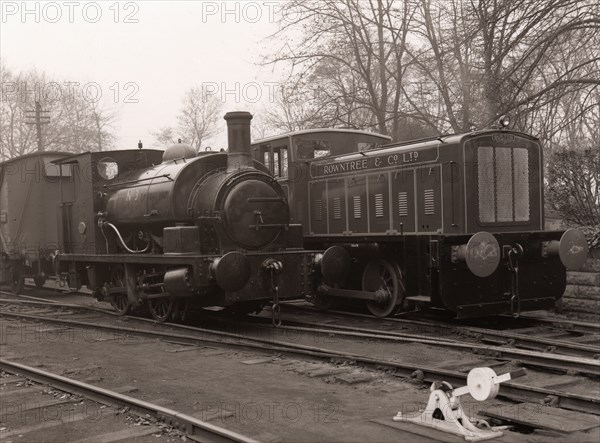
38, 118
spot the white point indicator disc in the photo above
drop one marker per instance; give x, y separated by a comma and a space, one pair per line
481, 384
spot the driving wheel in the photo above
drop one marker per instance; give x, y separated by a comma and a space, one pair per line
161, 308
120, 302
383, 276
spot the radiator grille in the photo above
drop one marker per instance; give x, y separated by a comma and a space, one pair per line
504, 180
503, 184
429, 202
403, 204
337, 208
378, 205
521, 184
357, 206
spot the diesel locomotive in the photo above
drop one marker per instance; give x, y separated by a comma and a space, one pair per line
175, 229
453, 222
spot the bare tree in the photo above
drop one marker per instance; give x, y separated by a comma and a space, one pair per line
356, 50
197, 120
294, 107
165, 136
488, 57
76, 124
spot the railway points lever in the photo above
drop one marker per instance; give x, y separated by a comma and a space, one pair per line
445, 413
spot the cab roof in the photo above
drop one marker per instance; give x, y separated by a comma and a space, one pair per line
321, 131
73, 158
37, 153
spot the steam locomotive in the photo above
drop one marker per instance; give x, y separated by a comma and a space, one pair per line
453, 222
175, 229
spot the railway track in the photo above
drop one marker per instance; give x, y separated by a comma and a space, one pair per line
578, 339
577, 359
555, 336
190, 335
193, 428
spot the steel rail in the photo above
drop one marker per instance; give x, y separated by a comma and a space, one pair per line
50, 303
511, 338
563, 323
526, 357
546, 345
499, 338
511, 390
195, 428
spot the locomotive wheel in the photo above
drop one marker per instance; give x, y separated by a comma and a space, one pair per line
162, 308
383, 275
120, 303
39, 280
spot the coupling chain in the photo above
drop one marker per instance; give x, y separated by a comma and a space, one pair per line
513, 266
276, 309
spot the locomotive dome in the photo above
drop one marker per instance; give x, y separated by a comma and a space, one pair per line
178, 151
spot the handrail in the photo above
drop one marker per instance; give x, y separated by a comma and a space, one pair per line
130, 182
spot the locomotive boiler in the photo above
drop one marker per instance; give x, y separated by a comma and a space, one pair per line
453, 222
178, 229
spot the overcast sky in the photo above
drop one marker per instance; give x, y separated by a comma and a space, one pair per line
145, 51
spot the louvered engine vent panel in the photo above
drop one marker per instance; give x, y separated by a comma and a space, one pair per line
403, 204
379, 205
429, 195
337, 208
318, 206
357, 206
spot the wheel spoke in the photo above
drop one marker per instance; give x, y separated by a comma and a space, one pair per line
161, 308
382, 275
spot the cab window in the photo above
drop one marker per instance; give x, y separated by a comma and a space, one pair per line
267, 160
309, 149
284, 163
280, 162
275, 160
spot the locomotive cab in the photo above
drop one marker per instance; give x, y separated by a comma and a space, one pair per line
289, 157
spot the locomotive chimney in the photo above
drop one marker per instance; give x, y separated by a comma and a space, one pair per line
238, 135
